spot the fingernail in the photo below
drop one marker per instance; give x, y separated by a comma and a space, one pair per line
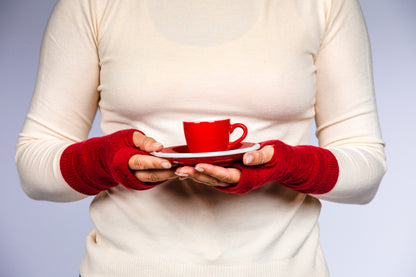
156, 145
199, 169
166, 165
248, 159
181, 174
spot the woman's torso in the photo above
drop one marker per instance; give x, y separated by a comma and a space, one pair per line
166, 61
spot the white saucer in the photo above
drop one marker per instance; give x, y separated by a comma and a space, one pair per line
181, 155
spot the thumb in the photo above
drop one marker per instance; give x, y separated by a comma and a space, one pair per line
146, 143
259, 157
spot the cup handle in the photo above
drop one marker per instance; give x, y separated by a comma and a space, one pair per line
243, 136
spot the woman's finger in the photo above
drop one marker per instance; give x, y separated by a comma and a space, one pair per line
154, 176
145, 162
210, 175
202, 178
259, 157
224, 175
146, 143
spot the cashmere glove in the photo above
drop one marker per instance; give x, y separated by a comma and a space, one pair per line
305, 168
97, 164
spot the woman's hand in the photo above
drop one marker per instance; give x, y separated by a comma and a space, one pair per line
146, 168
218, 176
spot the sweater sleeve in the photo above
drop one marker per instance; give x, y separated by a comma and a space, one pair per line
346, 113
64, 103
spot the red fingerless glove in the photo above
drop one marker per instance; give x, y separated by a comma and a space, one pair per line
305, 168
97, 164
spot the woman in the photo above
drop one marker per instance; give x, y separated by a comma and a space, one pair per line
147, 65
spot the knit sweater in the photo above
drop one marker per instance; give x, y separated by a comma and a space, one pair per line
277, 66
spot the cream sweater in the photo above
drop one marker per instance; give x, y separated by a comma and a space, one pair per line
276, 65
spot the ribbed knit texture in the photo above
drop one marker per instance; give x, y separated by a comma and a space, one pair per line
304, 168
98, 164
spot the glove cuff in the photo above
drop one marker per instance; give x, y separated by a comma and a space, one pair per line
97, 164
306, 169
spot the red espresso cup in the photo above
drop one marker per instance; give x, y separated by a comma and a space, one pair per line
211, 134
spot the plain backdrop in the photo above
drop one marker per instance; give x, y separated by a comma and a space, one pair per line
40, 238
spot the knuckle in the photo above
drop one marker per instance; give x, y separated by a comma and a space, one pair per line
262, 157
214, 182
221, 184
257, 157
148, 141
147, 177
138, 163
227, 178
152, 177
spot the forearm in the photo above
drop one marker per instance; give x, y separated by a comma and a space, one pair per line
346, 174
361, 171
64, 102
346, 112
37, 162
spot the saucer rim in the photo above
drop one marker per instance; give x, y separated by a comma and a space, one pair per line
253, 147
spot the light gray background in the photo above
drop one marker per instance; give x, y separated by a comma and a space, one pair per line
47, 239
